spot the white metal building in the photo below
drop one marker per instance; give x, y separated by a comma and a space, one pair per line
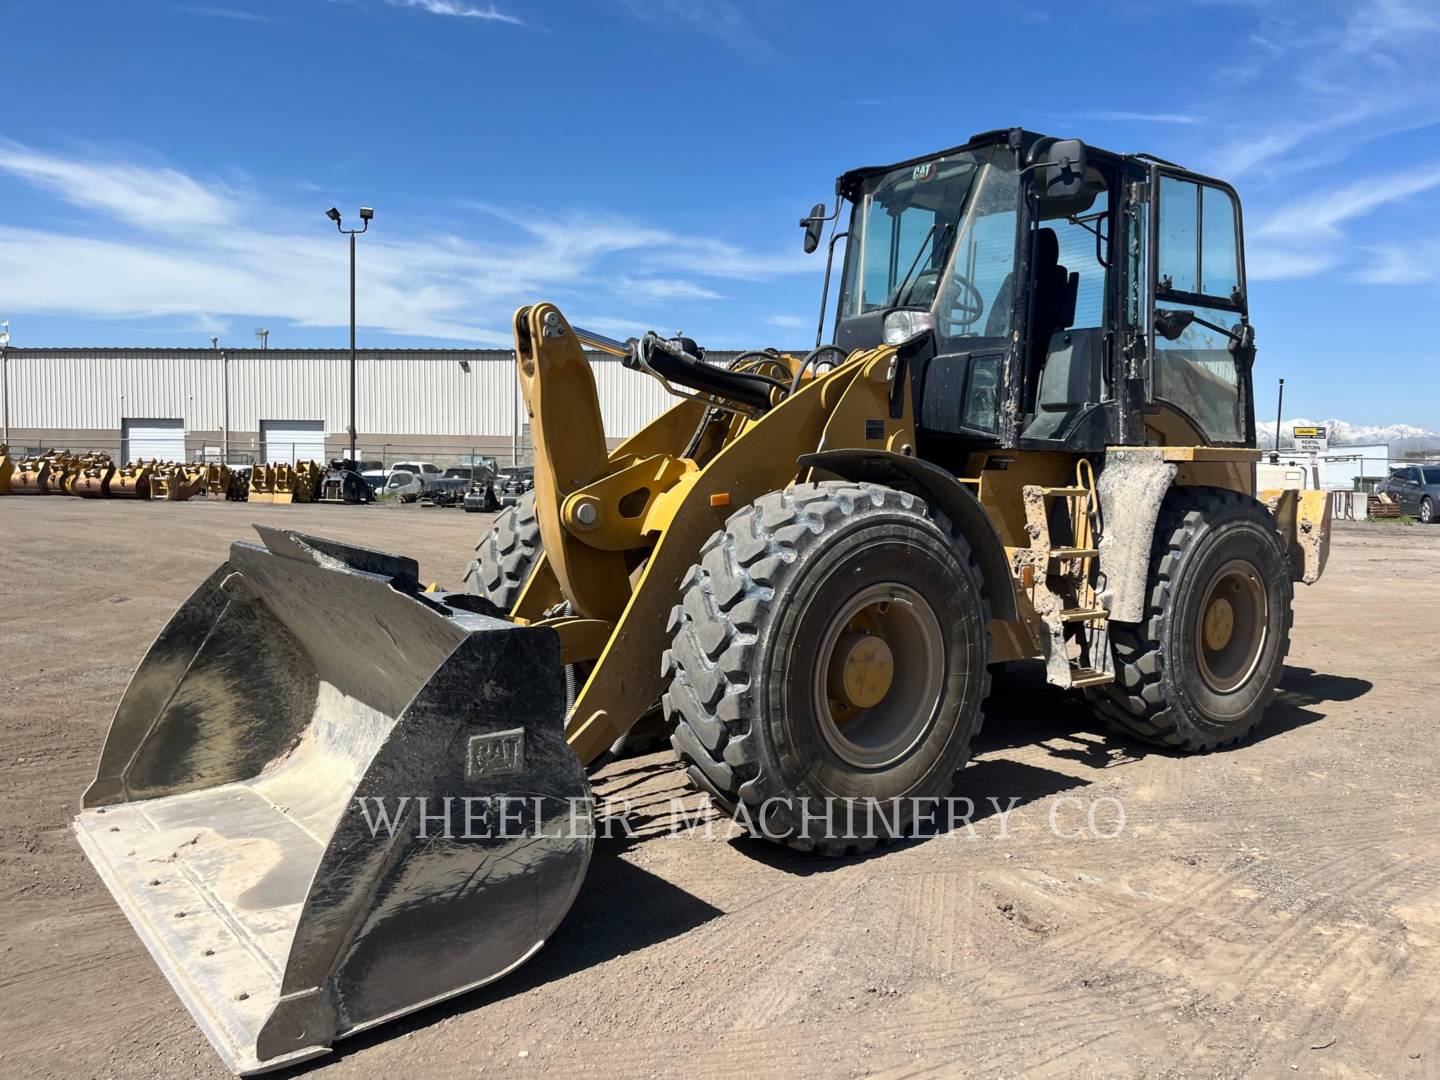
1342, 468
1354, 468
289, 404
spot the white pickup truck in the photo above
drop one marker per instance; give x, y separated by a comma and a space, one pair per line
425, 472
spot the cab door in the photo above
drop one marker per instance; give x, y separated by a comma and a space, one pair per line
1197, 264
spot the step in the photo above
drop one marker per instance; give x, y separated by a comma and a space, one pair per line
1083, 614
1086, 676
1063, 492
1074, 553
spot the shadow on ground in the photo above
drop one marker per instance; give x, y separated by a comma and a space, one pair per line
1024, 710
622, 908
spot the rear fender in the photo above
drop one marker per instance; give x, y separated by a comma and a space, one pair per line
1303, 518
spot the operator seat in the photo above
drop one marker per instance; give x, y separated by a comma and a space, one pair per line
1052, 302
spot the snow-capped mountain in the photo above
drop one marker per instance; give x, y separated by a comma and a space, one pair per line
1398, 437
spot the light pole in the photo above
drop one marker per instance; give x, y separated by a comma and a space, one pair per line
1279, 412
5, 372
366, 214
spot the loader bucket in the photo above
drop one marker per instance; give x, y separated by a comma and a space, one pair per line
131, 481
328, 798
262, 483
92, 477
217, 480
30, 477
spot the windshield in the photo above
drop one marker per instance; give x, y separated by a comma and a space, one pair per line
938, 235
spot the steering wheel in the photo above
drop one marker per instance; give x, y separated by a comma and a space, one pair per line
967, 305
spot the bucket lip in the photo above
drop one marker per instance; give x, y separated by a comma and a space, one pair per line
240, 1059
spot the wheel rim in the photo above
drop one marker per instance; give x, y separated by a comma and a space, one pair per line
1231, 627
879, 675
1427, 511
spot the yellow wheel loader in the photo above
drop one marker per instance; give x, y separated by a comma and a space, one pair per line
329, 797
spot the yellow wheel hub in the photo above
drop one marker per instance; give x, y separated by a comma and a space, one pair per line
861, 671
1219, 623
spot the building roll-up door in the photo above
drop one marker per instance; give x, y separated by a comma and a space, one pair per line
147, 438
292, 440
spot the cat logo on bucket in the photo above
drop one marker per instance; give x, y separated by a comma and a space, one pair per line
501, 753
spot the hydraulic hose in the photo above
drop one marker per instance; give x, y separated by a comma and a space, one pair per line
674, 362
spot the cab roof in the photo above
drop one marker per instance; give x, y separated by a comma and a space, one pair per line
849, 183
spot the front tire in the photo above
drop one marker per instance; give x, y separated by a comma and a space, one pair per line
829, 655
504, 558
1427, 511
1200, 669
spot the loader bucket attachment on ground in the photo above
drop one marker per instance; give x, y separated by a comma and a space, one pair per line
92, 481
132, 481
262, 483
257, 810
30, 476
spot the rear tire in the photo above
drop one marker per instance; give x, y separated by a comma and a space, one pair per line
767, 718
504, 558
1200, 669
1427, 511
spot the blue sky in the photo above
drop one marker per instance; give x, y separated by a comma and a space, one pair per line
165, 166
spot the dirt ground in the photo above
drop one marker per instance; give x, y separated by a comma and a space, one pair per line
1270, 910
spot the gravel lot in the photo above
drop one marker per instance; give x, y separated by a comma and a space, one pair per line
1270, 910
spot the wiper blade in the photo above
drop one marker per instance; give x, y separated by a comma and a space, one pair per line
900, 289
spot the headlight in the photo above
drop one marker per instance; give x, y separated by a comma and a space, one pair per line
905, 325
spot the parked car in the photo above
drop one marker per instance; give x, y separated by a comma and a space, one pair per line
1417, 489
403, 485
426, 472
378, 477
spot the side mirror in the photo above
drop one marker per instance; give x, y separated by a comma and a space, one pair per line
1170, 324
813, 225
1061, 165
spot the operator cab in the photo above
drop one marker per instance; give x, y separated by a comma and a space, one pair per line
1128, 324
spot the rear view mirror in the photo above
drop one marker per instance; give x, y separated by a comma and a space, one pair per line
1061, 166
813, 225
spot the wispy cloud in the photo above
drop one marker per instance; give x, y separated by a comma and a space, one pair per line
664, 289
1333, 77
1141, 117
787, 322
149, 249
720, 19
1408, 264
1309, 92
235, 14
488, 13
157, 198
1304, 237
1321, 214
1384, 23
